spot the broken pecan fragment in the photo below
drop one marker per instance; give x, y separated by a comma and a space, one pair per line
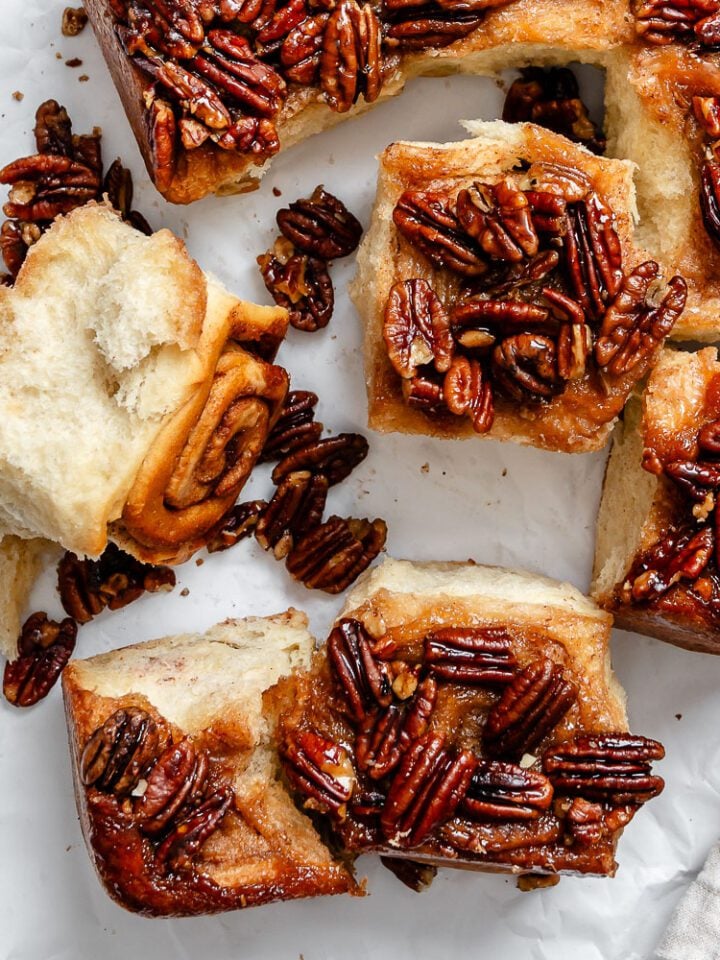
498, 216
707, 113
53, 129
86, 586
387, 734
300, 283
468, 392
120, 751
236, 525
296, 508
528, 710
333, 556
44, 647
416, 329
364, 679
525, 367
611, 767
295, 428
176, 781
678, 555
430, 223
320, 226
505, 791
425, 393
635, 326
189, 833
74, 20
320, 770
471, 654
351, 61
335, 457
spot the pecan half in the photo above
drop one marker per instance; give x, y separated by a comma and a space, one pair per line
189, 833
120, 751
335, 457
471, 654
161, 129
333, 556
295, 428
365, 680
320, 770
295, 509
430, 223
710, 198
86, 587
299, 283
320, 226
416, 329
424, 25
468, 392
707, 113
229, 63
301, 50
615, 767
386, 734
46, 185
176, 781
525, 367
351, 61
53, 129
529, 708
664, 21
593, 255
504, 791
498, 216
634, 326
44, 647
695, 479
679, 555
574, 342
236, 525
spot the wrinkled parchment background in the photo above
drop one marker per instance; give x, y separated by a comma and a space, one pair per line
495, 503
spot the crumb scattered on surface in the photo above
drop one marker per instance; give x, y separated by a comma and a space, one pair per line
74, 20
83, 78
184, 592
425, 468
199, 562
504, 473
678, 716
18, 95
277, 192
58, 56
73, 62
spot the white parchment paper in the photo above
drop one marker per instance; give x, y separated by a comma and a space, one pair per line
442, 500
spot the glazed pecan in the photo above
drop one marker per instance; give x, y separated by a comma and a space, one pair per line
593, 255
320, 770
416, 329
176, 781
425, 393
709, 438
120, 751
418, 26
525, 367
528, 710
351, 61
695, 479
333, 555
320, 226
498, 216
574, 342
44, 647
188, 834
86, 587
416, 876
664, 21
300, 283
426, 790
635, 324
228, 62
587, 823
551, 98
679, 555
508, 315
365, 680
504, 791
236, 525
710, 198
284, 19
301, 49
430, 223
499, 836
471, 654
504, 278
335, 457
295, 428
386, 734
295, 509
468, 392
611, 767
161, 129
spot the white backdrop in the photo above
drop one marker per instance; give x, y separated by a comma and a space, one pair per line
495, 503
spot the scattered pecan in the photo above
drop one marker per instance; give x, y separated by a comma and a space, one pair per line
635, 326
295, 509
498, 216
320, 770
335, 457
46, 185
176, 781
44, 647
574, 342
430, 223
53, 129
351, 61
678, 555
505, 791
593, 255
333, 555
86, 587
320, 226
529, 708
74, 20
417, 329
664, 21
295, 428
120, 751
611, 767
236, 525
301, 49
300, 283
471, 654
468, 392
525, 367
365, 680
416, 876
189, 833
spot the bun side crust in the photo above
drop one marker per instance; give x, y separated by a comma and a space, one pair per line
20, 562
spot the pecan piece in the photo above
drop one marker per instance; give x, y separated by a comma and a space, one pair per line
120, 751
386, 735
424, 393
707, 113
46, 185
299, 283
44, 647
500, 836
335, 457
295, 428
351, 62
505, 791
333, 556
634, 326
679, 555
416, 876
228, 62
364, 679
471, 654
301, 49
416, 329
296, 508
319, 769
53, 129
426, 25
530, 707
498, 216
177, 850
664, 21
709, 438
176, 780
236, 525
161, 127
430, 223
468, 392
593, 254
525, 367
13, 244
710, 198
320, 226
614, 767
695, 479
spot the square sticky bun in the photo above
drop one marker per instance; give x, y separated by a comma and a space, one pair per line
176, 772
467, 716
501, 291
656, 558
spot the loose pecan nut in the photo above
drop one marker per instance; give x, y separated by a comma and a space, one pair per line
320, 226
47, 185
499, 217
471, 654
120, 751
497, 836
53, 129
333, 556
504, 791
416, 329
295, 509
182, 844
334, 457
351, 60
295, 428
425, 393
612, 767
525, 367
430, 223
176, 782
320, 770
424, 25
365, 680
44, 647
236, 525
299, 283
529, 709
468, 392
74, 20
